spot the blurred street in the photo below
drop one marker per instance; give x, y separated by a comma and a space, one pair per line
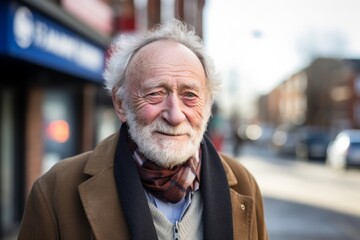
305, 200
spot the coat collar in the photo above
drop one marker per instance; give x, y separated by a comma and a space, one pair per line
102, 156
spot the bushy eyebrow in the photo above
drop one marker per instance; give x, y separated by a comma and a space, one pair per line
181, 86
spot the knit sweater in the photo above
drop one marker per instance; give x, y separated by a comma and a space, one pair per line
189, 227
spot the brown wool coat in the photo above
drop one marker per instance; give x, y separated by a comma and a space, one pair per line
77, 199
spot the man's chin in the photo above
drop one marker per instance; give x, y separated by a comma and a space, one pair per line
170, 156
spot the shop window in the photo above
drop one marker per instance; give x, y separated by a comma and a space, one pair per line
60, 128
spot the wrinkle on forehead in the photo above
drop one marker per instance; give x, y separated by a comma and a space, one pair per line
175, 69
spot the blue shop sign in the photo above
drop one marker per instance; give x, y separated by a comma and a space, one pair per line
36, 38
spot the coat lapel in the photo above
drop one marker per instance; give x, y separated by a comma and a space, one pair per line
99, 195
243, 207
101, 205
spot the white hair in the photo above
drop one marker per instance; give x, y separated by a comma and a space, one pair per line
125, 47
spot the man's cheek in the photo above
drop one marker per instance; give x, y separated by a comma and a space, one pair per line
147, 115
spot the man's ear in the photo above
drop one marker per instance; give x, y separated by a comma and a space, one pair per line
119, 107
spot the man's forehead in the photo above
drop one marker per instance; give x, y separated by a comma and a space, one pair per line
165, 55
163, 48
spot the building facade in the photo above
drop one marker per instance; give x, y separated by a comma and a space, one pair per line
325, 94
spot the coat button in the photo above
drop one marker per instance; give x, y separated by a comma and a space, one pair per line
242, 206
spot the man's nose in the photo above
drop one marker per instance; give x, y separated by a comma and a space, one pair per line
173, 113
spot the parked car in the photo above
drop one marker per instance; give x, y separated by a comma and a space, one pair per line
284, 140
344, 151
312, 144
303, 142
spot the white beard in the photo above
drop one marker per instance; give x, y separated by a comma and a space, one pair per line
164, 152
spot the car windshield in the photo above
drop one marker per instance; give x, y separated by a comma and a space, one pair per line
355, 144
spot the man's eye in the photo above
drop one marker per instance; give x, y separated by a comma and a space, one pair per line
189, 95
154, 94
155, 97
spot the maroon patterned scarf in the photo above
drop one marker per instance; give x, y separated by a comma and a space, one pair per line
170, 185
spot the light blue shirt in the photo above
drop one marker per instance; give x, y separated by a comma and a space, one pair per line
172, 211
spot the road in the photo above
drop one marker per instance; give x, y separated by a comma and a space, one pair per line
305, 200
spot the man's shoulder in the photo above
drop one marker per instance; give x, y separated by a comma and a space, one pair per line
78, 168
235, 165
245, 182
66, 171
75, 162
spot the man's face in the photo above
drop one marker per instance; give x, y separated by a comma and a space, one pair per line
168, 104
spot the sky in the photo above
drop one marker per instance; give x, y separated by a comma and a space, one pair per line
256, 44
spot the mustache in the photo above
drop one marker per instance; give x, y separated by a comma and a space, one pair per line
184, 129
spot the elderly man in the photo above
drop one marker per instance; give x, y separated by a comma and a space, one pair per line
159, 177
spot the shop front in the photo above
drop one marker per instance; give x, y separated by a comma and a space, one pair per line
51, 97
